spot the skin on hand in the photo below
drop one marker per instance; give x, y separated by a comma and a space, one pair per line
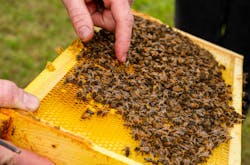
116, 16
25, 157
13, 97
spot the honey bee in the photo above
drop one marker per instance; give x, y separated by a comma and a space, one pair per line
87, 114
102, 112
126, 151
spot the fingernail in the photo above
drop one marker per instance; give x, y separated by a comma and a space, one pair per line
30, 102
123, 59
84, 33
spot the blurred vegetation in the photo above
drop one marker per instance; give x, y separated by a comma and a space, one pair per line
163, 10
31, 30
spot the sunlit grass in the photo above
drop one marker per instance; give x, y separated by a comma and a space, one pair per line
161, 9
29, 32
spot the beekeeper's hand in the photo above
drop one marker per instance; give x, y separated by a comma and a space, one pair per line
116, 16
13, 97
25, 157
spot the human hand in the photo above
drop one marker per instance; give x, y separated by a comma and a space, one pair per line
13, 97
115, 16
25, 157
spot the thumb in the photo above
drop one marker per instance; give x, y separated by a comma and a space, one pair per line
80, 18
13, 97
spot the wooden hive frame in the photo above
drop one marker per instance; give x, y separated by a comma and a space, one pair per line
63, 147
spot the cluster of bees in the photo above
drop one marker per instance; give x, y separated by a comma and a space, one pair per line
170, 92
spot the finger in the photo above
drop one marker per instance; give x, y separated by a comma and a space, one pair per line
130, 2
13, 97
80, 18
91, 7
24, 158
124, 23
104, 20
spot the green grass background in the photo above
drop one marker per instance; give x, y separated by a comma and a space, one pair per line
31, 30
